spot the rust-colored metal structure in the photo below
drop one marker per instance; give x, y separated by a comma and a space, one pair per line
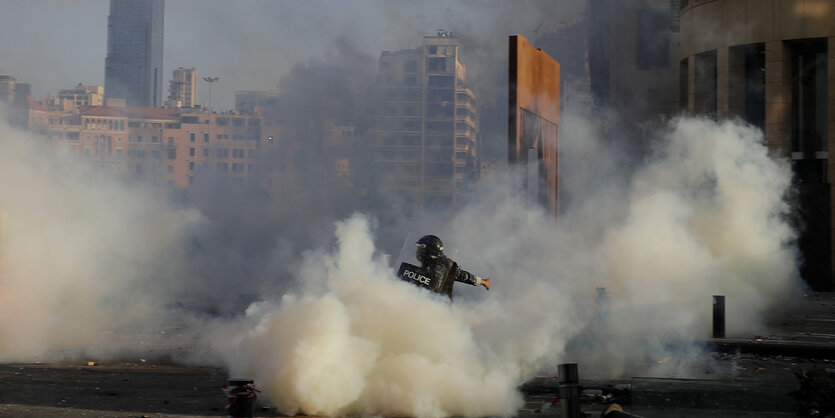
533, 119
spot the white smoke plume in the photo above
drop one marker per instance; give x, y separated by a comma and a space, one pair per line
85, 255
90, 260
706, 214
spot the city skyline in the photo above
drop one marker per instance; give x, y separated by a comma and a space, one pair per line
253, 45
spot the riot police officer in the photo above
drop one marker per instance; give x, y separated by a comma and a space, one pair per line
444, 271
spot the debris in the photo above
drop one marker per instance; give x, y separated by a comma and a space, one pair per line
547, 405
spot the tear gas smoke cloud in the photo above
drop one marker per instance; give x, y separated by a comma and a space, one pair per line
705, 214
91, 259
84, 255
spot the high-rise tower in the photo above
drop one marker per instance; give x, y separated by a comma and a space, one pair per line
182, 90
133, 67
424, 123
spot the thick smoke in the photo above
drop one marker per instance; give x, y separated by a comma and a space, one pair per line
706, 214
94, 265
85, 256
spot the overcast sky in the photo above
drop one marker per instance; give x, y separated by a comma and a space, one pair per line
251, 44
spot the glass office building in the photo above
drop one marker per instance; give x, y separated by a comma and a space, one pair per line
133, 67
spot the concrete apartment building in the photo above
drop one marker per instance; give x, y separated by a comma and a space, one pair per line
182, 88
81, 95
424, 123
772, 64
7, 88
223, 145
133, 66
157, 144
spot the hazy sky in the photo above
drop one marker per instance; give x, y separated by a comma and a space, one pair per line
250, 44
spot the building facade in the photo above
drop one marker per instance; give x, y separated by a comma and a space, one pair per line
423, 123
250, 101
81, 96
633, 61
182, 89
7, 88
160, 145
133, 67
772, 64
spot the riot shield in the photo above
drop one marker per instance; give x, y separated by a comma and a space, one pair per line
408, 267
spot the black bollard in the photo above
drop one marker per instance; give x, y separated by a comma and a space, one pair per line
569, 390
718, 316
602, 305
240, 398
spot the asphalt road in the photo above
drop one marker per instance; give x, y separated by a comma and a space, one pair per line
731, 382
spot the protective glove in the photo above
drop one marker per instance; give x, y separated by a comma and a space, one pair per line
483, 282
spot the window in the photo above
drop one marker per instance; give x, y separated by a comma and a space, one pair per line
205, 151
191, 152
704, 81
809, 93
192, 137
432, 50
238, 121
251, 154
436, 64
206, 137
170, 169
139, 138
410, 66
411, 125
154, 139
191, 166
411, 95
441, 81
170, 140
172, 154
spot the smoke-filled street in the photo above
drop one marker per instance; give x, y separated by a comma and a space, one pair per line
755, 382
417, 209
349, 338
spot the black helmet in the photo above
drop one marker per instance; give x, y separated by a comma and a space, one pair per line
429, 247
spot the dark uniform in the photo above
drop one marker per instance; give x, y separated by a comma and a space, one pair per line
443, 271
